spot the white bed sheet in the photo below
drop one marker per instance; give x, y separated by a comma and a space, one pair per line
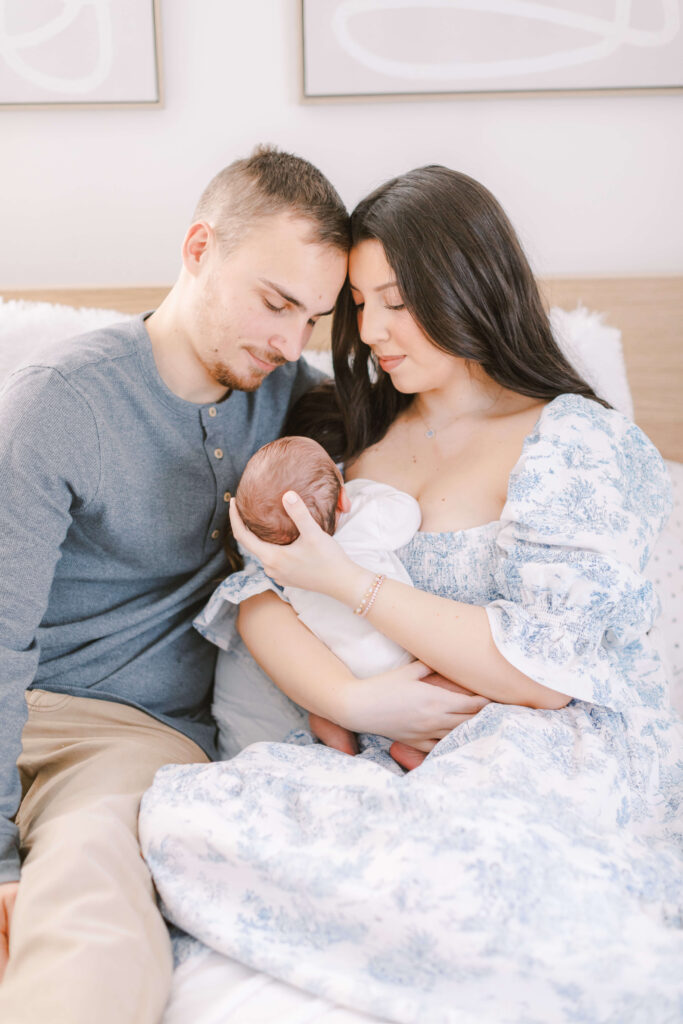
209, 988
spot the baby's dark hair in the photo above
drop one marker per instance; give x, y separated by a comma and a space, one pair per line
289, 464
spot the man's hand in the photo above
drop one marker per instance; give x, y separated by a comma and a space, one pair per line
8, 895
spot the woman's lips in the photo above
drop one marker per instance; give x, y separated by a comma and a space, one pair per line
389, 363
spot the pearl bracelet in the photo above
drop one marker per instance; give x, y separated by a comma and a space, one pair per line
368, 598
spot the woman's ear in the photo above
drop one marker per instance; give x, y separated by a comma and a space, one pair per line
343, 501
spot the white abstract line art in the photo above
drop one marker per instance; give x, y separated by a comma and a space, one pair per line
13, 46
612, 35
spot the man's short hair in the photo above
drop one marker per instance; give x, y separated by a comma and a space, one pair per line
267, 183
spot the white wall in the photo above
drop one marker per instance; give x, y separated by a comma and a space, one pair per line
593, 184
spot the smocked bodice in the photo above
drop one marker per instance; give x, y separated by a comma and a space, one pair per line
459, 565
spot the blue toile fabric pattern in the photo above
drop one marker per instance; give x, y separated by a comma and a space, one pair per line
531, 870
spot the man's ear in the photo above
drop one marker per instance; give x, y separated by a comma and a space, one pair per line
196, 245
343, 501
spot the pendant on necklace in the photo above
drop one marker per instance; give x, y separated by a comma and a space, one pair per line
430, 432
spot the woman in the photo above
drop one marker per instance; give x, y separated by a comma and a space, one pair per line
536, 848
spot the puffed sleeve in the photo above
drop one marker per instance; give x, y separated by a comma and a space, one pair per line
216, 621
585, 503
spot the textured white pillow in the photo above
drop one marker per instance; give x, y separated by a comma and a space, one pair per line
29, 326
595, 351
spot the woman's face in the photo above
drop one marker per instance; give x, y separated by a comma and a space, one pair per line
403, 350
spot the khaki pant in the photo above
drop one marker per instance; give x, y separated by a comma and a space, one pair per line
87, 943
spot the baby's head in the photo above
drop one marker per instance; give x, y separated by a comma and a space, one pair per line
290, 464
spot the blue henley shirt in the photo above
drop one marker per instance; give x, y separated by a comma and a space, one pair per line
113, 503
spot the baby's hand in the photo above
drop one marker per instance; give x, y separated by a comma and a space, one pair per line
314, 561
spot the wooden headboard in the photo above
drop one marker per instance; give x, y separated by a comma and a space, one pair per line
647, 310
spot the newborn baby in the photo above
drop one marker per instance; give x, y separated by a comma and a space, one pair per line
369, 520
292, 463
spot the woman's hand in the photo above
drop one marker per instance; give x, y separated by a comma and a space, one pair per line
410, 757
410, 704
314, 561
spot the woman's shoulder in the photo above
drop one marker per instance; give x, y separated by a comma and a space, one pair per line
589, 469
585, 413
574, 422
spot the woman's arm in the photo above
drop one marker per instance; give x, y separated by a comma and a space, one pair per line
453, 638
456, 640
397, 704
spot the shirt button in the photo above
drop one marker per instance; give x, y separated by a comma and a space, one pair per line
218, 452
215, 535
227, 496
212, 410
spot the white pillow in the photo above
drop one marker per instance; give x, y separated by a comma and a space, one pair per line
247, 705
29, 326
595, 351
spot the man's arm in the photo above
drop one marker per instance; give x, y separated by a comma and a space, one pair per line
49, 469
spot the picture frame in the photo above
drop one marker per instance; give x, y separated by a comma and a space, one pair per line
425, 49
80, 54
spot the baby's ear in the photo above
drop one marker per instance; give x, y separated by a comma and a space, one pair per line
343, 501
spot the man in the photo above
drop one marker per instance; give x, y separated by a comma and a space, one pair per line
118, 454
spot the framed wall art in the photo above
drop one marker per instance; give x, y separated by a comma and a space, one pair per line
57, 53
354, 48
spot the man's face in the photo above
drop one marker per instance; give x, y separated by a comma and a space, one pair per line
255, 308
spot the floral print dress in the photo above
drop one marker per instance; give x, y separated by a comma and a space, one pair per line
531, 869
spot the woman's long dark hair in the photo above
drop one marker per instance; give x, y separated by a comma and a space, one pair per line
465, 280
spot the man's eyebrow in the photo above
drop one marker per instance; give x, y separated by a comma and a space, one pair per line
290, 298
379, 288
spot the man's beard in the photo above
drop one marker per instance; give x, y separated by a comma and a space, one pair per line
228, 378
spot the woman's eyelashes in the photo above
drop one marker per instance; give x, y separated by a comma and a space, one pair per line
360, 305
